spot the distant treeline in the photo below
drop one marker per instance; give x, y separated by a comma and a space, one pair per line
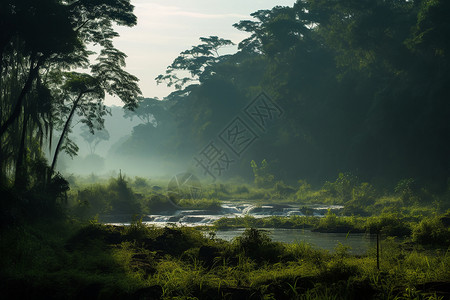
358, 87
362, 86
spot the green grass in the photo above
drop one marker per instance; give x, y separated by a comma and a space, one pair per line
68, 260
72, 259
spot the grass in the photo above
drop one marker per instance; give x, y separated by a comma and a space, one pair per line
71, 260
81, 259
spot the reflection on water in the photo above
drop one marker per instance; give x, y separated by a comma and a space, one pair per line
358, 242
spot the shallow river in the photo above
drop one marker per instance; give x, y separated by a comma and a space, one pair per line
359, 243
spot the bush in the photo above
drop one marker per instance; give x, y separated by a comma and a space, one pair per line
207, 204
431, 231
388, 204
283, 190
257, 244
332, 223
408, 190
242, 189
140, 182
157, 203
303, 190
343, 187
364, 194
92, 200
389, 224
123, 200
117, 197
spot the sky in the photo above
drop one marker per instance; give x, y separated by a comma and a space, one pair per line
166, 28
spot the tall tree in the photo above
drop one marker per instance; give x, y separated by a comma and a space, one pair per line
93, 139
41, 39
198, 61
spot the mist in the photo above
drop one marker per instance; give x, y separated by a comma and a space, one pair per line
302, 153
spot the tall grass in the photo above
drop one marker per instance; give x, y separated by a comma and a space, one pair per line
140, 261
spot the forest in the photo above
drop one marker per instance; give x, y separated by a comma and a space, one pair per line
332, 114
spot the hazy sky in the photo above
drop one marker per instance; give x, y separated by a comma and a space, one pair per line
165, 28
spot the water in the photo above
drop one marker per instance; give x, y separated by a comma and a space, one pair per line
359, 243
228, 210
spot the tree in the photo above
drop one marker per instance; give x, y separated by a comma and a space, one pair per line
93, 139
263, 177
84, 94
363, 86
22, 37
150, 111
199, 61
39, 43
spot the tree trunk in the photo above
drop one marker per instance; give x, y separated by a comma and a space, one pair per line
20, 177
64, 132
26, 88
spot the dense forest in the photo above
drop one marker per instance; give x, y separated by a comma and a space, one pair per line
40, 46
362, 85
326, 102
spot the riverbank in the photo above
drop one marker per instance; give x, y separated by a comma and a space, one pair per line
73, 261
435, 228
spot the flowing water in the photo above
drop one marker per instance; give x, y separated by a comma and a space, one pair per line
359, 243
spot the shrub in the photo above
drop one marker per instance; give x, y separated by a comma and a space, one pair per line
157, 203
140, 182
388, 204
431, 231
257, 244
389, 224
123, 199
343, 187
408, 190
209, 204
364, 194
92, 200
117, 197
303, 189
283, 190
242, 189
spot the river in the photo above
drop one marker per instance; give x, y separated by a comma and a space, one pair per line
358, 243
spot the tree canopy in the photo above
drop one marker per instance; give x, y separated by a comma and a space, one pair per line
41, 42
362, 86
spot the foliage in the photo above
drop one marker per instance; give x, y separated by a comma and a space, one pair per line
263, 177
390, 224
203, 203
257, 245
353, 80
431, 231
140, 182
123, 199
198, 61
331, 223
94, 139
116, 197
40, 46
283, 190
363, 89
343, 187
73, 260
